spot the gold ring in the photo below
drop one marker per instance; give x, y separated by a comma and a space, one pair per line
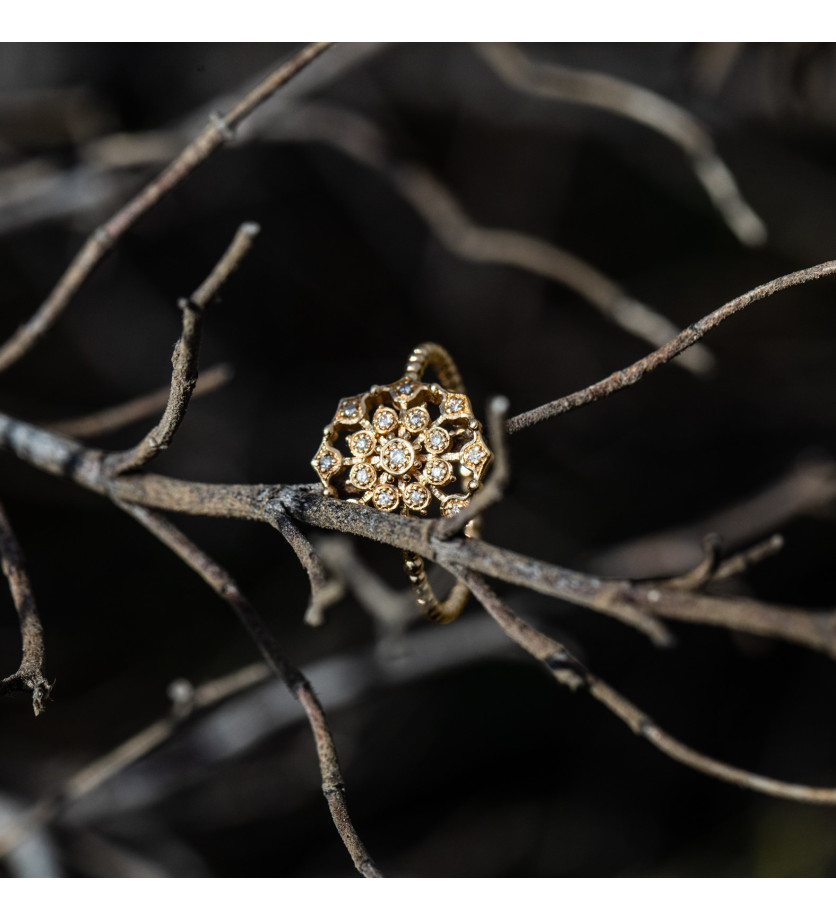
411, 447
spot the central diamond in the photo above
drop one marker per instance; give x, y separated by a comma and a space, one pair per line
397, 456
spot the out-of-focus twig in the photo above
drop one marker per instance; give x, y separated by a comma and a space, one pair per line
106, 421
30, 675
219, 130
807, 488
552, 81
361, 140
104, 768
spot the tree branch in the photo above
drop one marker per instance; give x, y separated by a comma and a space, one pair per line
632, 374
223, 585
570, 672
185, 358
218, 131
30, 675
106, 421
643, 106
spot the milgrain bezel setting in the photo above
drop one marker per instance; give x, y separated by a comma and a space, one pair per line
410, 447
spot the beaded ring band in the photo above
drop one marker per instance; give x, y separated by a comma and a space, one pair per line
410, 446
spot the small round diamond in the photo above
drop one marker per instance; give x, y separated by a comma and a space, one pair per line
397, 456
350, 410
326, 462
438, 472
416, 497
405, 389
453, 506
455, 405
437, 440
417, 419
363, 475
385, 498
385, 420
474, 455
361, 443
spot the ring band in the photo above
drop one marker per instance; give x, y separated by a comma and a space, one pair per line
401, 447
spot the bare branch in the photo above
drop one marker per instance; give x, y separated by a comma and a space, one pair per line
806, 488
185, 358
221, 582
30, 675
569, 671
361, 140
391, 610
136, 747
641, 105
106, 421
325, 590
632, 374
218, 131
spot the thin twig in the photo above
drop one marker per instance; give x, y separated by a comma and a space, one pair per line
325, 591
632, 374
494, 487
641, 105
222, 583
185, 358
360, 139
104, 768
30, 675
218, 131
808, 487
569, 671
106, 421
391, 610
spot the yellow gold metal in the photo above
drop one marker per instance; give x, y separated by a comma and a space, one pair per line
410, 447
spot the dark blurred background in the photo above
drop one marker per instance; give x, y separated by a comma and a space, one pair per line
461, 756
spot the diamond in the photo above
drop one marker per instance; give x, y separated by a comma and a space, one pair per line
405, 388
326, 462
385, 420
363, 475
350, 410
453, 506
417, 497
437, 440
361, 443
474, 455
385, 498
397, 456
439, 471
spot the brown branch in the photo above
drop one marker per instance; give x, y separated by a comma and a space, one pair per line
807, 488
102, 769
643, 106
30, 675
217, 132
570, 672
391, 610
361, 140
185, 358
325, 590
222, 583
106, 421
638, 605
632, 374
